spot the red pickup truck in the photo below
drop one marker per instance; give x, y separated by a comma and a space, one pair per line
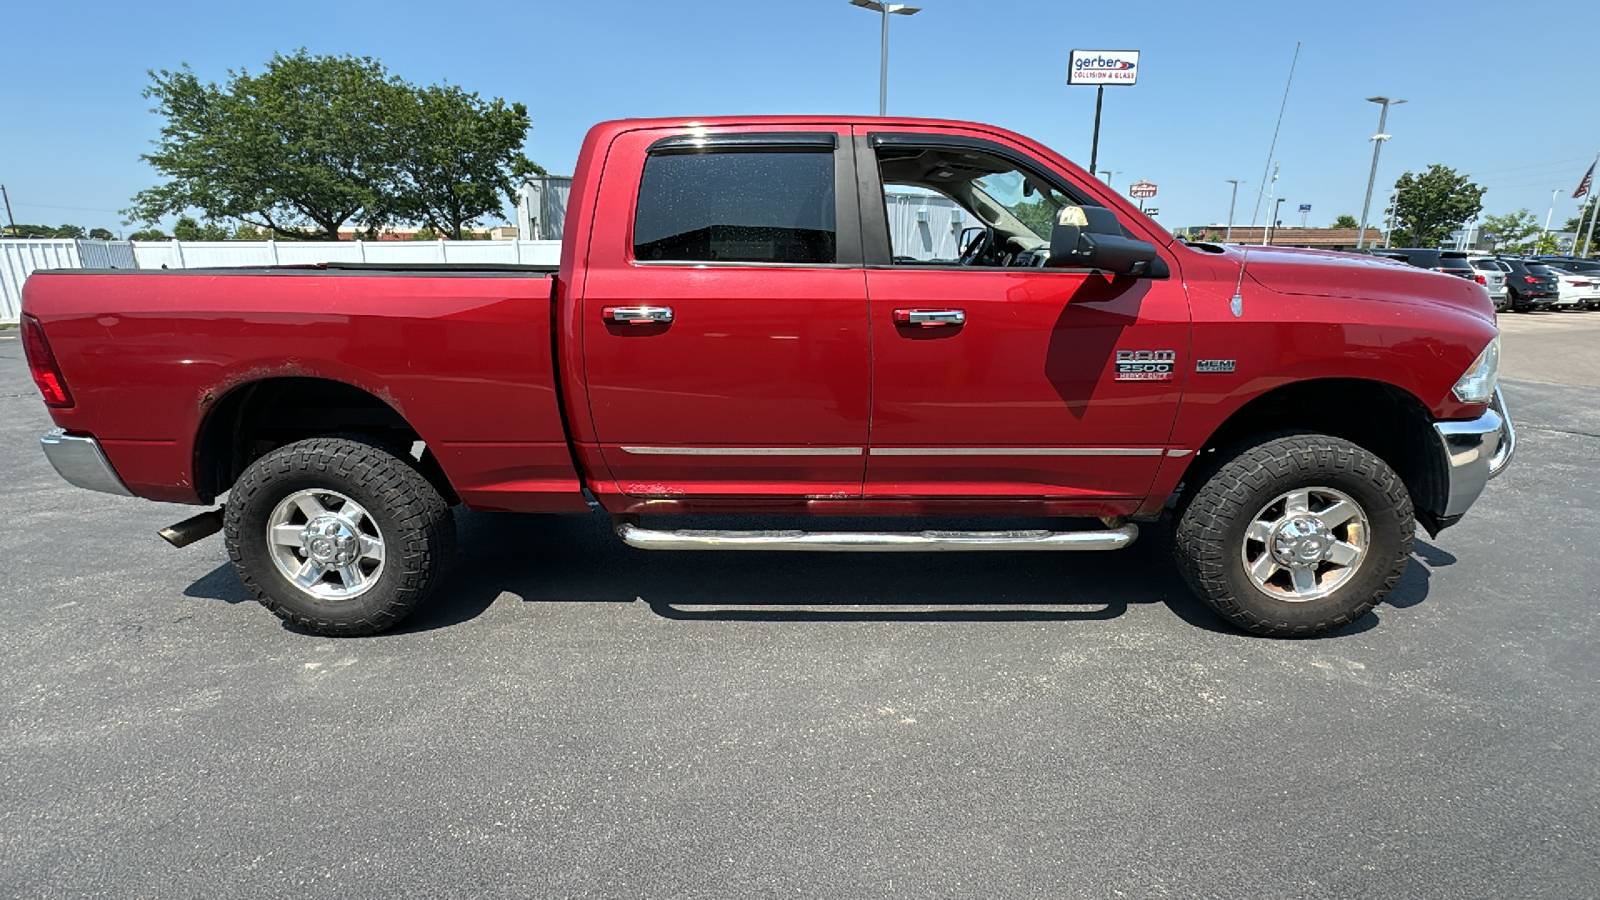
734, 327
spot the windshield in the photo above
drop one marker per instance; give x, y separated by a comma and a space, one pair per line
1033, 204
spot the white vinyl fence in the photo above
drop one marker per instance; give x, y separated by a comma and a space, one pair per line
208, 254
20, 257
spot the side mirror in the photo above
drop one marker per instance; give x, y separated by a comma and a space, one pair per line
1090, 237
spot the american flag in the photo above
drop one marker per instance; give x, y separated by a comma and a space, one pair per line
1586, 183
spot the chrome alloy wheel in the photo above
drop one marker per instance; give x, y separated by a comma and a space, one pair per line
1305, 544
326, 544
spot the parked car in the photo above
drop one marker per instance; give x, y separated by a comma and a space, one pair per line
1492, 277
729, 332
1450, 262
1529, 285
1580, 277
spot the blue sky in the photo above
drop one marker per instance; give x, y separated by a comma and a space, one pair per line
1505, 93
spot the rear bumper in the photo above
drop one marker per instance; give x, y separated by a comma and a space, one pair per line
81, 462
1474, 451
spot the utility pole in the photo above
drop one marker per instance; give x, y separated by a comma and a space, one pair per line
1377, 148
11, 221
1108, 173
1231, 201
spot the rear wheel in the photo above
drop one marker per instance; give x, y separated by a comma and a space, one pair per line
337, 535
1296, 535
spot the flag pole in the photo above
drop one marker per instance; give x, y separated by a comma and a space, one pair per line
1589, 236
1594, 207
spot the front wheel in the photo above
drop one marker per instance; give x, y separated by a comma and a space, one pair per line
1296, 536
338, 536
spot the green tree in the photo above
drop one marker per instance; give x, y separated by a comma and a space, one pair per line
456, 156
297, 150
101, 234
1431, 205
148, 234
426, 233
1512, 232
1345, 221
248, 233
1038, 215
1579, 225
187, 229
1545, 244
25, 230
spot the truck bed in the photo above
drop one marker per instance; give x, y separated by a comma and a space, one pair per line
463, 353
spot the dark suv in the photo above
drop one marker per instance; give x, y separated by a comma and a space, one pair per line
1529, 284
1450, 262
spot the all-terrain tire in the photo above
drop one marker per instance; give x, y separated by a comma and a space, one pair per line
1214, 521
404, 511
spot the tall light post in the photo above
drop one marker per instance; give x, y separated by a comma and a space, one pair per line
1231, 200
1108, 173
1272, 226
887, 10
1553, 193
1377, 147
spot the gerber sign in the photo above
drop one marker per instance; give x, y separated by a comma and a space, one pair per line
1103, 67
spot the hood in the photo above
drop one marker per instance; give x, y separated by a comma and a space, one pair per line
1323, 273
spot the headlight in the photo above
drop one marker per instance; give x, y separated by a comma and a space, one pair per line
1477, 386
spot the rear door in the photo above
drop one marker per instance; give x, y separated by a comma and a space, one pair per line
725, 327
993, 377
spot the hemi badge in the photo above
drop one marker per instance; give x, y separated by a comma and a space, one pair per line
1214, 365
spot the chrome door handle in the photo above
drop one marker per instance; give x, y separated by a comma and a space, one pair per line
638, 315
929, 318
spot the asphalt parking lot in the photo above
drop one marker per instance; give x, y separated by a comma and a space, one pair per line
574, 718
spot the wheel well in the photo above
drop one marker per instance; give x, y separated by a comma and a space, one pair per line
254, 419
1378, 417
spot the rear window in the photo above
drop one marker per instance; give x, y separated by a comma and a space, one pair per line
1543, 271
1446, 261
775, 207
1487, 265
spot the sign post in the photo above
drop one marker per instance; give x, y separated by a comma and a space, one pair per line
1305, 208
1100, 68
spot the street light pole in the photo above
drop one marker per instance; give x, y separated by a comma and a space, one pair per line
1272, 226
1108, 173
1372, 176
1231, 201
1553, 193
886, 10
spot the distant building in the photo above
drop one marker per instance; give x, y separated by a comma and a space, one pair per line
1285, 236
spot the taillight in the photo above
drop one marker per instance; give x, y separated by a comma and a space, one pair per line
1481, 280
42, 364
1530, 279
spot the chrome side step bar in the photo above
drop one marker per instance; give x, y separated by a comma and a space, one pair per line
877, 542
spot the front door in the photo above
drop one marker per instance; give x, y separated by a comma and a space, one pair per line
725, 329
994, 376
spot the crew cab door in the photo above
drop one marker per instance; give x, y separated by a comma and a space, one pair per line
724, 315
992, 376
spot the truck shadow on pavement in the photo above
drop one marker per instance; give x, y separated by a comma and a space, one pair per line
576, 559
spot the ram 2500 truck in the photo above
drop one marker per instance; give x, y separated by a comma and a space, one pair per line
738, 326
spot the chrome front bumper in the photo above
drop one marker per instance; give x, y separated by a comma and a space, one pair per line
82, 463
1474, 452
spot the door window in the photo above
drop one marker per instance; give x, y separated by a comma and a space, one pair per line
958, 206
752, 207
